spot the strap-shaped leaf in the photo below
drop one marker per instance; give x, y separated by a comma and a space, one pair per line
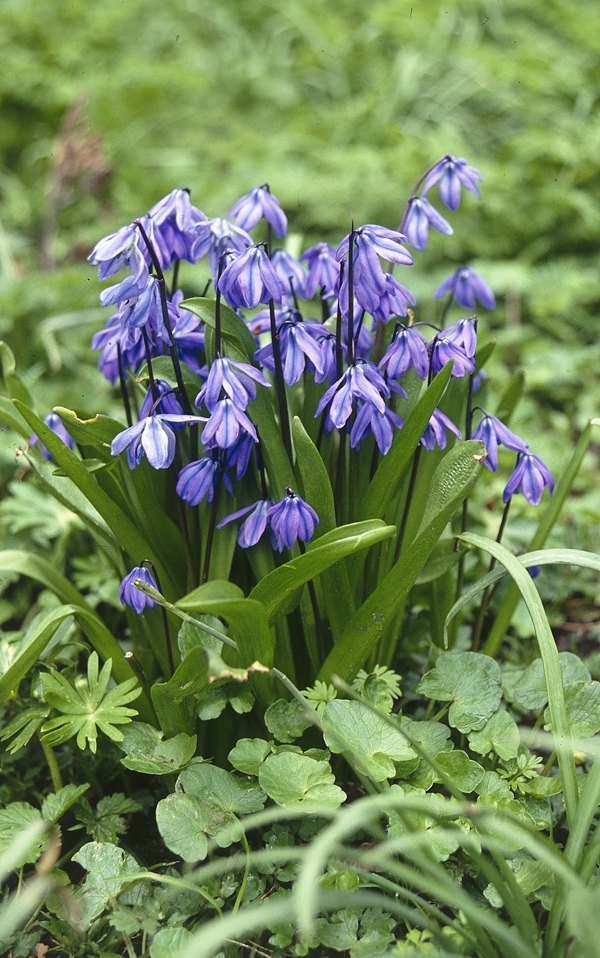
275, 589
452, 481
233, 329
134, 544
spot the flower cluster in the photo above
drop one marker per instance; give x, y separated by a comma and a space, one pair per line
351, 364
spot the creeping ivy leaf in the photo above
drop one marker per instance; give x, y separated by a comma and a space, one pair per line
465, 773
211, 702
366, 738
432, 737
56, 804
285, 720
530, 691
471, 682
88, 707
109, 868
14, 819
493, 788
184, 824
249, 754
147, 752
221, 790
500, 734
291, 779
582, 702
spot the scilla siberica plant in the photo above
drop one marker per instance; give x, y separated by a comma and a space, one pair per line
326, 450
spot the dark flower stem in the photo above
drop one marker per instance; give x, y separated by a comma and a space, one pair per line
284, 416
164, 618
123, 386
339, 354
153, 388
351, 350
487, 595
175, 276
211, 530
162, 288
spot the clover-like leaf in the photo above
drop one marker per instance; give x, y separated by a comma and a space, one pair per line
500, 734
285, 720
291, 779
472, 682
221, 791
146, 751
365, 738
184, 824
88, 707
249, 754
109, 868
464, 772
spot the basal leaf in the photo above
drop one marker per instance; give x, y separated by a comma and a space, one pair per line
469, 680
500, 734
184, 824
464, 772
286, 720
291, 780
14, 819
249, 754
109, 868
366, 739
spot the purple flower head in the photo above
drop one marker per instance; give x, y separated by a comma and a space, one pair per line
188, 333
167, 401
327, 346
255, 205
492, 433
393, 301
239, 453
370, 243
290, 272
291, 520
405, 350
452, 172
153, 436
170, 227
236, 379
55, 423
323, 270
251, 279
138, 306
435, 433
421, 215
216, 236
467, 286
252, 529
369, 419
463, 333
457, 342
225, 424
297, 343
131, 343
131, 596
176, 207
118, 250
360, 381
530, 476
198, 481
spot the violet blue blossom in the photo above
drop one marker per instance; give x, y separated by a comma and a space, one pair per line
198, 480
236, 379
252, 529
255, 205
291, 520
251, 279
238, 454
323, 270
216, 236
133, 597
420, 216
55, 423
290, 272
369, 419
166, 400
297, 343
435, 432
361, 380
393, 301
405, 350
452, 172
369, 243
530, 476
467, 286
225, 424
120, 249
153, 436
493, 433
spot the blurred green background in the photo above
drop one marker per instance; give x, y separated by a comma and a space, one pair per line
339, 105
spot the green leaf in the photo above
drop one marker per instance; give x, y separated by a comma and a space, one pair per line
24, 726
172, 699
109, 868
184, 824
275, 590
366, 739
171, 943
440, 844
582, 702
12, 381
530, 691
88, 707
291, 780
210, 703
40, 570
286, 720
96, 431
391, 469
249, 754
500, 734
226, 794
471, 681
234, 331
14, 819
452, 481
465, 773
146, 752
56, 804
340, 932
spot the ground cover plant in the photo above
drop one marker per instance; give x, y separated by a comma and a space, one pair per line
284, 513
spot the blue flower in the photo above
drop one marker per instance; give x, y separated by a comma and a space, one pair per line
254, 526
131, 343
290, 272
225, 424
120, 249
259, 202
457, 342
55, 423
405, 350
530, 476
492, 433
420, 216
291, 520
166, 403
370, 243
131, 596
251, 279
235, 378
198, 480
323, 271
153, 436
393, 301
435, 433
360, 381
467, 286
297, 343
369, 419
215, 236
451, 172
238, 454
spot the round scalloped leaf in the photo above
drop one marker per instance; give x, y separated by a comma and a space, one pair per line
183, 822
371, 743
291, 779
471, 681
500, 734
